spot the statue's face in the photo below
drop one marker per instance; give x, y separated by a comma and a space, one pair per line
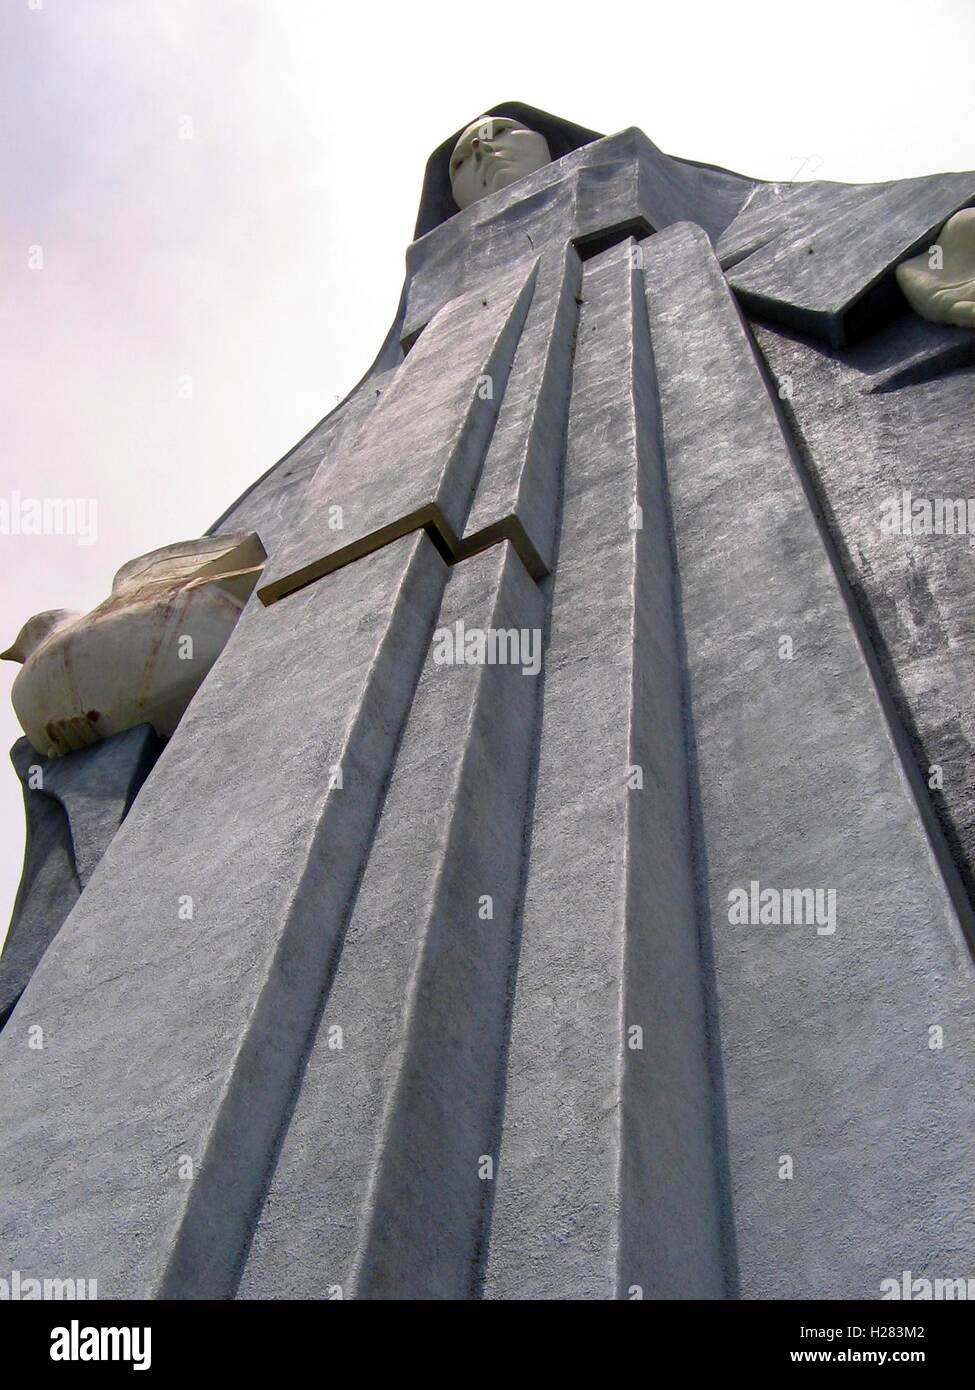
491, 154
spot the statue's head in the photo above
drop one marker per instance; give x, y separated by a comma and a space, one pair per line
36, 631
492, 153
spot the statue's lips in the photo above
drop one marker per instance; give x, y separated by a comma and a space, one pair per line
500, 163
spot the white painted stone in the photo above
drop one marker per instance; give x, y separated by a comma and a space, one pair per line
493, 153
139, 657
939, 284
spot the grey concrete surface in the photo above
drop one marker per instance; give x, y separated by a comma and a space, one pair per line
522, 473
620, 180
97, 786
190, 1129
200, 1023
48, 888
440, 409
824, 1038
377, 1189
909, 392
806, 255
72, 814
608, 1179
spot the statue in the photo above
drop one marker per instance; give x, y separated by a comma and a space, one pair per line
491, 154
97, 697
139, 657
645, 975
942, 287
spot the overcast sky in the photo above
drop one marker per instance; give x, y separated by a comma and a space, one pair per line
204, 300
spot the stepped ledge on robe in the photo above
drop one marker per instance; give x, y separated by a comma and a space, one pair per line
547, 893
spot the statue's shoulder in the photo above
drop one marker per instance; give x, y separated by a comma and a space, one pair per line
820, 257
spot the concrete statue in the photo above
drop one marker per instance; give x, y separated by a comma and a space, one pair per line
424, 969
114, 683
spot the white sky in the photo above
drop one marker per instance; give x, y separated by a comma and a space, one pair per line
263, 257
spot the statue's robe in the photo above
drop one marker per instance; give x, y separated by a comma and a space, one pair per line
411, 979
73, 806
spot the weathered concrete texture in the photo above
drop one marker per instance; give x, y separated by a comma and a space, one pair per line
824, 1038
377, 1189
271, 504
169, 1036
49, 886
894, 417
616, 183
437, 415
858, 233
522, 473
808, 254
72, 816
607, 1175
939, 282
581, 195
97, 786
716, 193
910, 352
335, 805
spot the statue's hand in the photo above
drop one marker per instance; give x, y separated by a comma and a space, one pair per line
940, 283
68, 735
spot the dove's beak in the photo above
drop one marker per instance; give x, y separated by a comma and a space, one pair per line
11, 654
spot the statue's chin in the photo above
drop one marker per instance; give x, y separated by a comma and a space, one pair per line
501, 175
504, 177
